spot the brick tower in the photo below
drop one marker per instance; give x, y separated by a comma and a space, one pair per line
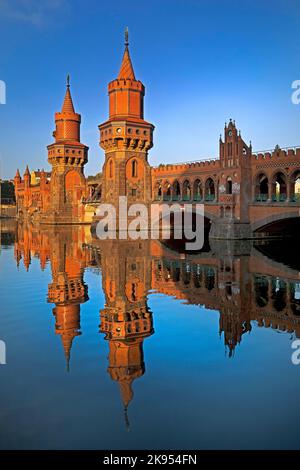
67, 289
126, 319
234, 185
67, 155
126, 138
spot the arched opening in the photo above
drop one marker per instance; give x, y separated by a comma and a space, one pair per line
167, 191
209, 278
295, 186
186, 191
176, 191
134, 168
210, 193
110, 169
158, 192
279, 187
261, 188
279, 294
294, 289
97, 192
261, 287
197, 190
73, 187
229, 186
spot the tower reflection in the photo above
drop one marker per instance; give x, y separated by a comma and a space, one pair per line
126, 319
240, 281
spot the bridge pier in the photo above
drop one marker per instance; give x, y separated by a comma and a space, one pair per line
230, 230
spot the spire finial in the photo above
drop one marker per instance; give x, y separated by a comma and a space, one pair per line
126, 37
68, 81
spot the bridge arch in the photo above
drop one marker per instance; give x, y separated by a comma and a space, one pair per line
264, 223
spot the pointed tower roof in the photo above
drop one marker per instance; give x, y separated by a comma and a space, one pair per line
27, 172
68, 106
17, 174
67, 340
126, 70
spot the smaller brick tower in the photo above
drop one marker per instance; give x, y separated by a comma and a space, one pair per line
126, 138
234, 185
67, 155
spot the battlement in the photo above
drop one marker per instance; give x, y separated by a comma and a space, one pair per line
120, 83
286, 152
184, 167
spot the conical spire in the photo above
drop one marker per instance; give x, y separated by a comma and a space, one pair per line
17, 174
68, 103
67, 340
27, 172
126, 70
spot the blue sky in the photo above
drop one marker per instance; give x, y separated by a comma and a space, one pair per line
202, 62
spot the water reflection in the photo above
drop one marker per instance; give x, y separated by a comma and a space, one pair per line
244, 285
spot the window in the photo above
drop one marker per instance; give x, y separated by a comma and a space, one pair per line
133, 192
134, 168
110, 169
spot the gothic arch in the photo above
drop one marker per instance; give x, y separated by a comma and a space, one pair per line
110, 169
210, 189
176, 190
261, 186
197, 190
186, 190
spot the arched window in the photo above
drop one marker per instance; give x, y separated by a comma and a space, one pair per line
210, 190
229, 186
134, 168
176, 191
295, 186
110, 168
279, 187
186, 191
197, 190
261, 188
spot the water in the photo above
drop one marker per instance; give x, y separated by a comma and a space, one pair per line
128, 345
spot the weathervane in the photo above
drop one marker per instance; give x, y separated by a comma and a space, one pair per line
68, 81
126, 36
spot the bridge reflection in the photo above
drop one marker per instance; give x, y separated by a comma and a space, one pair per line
238, 280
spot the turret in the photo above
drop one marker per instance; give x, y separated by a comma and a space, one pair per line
67, 122
26, 177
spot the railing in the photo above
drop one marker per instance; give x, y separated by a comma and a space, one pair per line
295, 198
261, 198
197, 197
209, 197
279, 198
